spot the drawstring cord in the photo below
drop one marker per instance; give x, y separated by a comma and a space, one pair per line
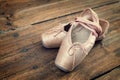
74, 51
92, 26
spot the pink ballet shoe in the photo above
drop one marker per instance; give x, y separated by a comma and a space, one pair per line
79, 40
53, 37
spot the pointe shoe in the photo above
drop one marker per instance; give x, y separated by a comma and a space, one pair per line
79, 40
53, 37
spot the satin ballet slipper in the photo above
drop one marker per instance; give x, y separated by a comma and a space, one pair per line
53, 37
79, 41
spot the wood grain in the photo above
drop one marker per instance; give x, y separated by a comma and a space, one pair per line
22, 37
112, 75
8, 8
93, 65
32, 56
22, 55
52, 11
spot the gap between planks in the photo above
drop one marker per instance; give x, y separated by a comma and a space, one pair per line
18, 37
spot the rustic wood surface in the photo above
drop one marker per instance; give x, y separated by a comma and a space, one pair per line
22, 56
114, 75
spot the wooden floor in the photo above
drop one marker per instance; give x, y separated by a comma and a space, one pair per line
22, 56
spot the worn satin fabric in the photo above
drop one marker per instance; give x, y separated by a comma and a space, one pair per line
52, 38
71, 54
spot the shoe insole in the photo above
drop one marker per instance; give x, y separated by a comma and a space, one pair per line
80, 34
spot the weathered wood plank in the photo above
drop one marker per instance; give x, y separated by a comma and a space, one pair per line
37, 62
42, 13
31, 34
26, 57
9, 7
35, 55
112, 75
22, 55
3, 22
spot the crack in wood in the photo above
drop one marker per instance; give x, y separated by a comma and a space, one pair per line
110, 3
105, 73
